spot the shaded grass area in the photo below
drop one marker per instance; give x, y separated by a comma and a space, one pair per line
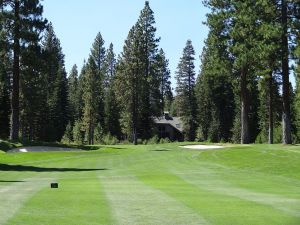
8, 145
20, 168
153, 184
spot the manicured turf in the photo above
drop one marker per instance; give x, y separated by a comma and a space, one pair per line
158, 184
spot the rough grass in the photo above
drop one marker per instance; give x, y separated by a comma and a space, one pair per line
153, 184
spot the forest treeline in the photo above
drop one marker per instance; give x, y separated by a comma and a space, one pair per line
242, 94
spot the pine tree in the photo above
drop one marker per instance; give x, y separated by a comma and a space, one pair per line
25, 20
268, 40
80, 90
239, 24
165, 92
111, 108
73, 95
110, 66
297, 103
98, 54
128, 86
214, 90
296, 53
136, 80
57, 86
91, 84
147, 51
185, 90
4, 81
269, 110
244, 51
286, 114
33, 96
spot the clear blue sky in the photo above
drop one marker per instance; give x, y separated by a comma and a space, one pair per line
77, 22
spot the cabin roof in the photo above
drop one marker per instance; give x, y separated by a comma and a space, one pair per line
175, 122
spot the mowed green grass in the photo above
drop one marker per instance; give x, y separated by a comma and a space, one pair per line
153, 184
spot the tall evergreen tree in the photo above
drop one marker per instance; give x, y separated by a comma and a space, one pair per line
91, 84
111, 108
73, 95
269, 110
110, 66
33, 96
244, 50
147, 51
165, 92
242, 26
185, 90
297, 102
80, 89
98, 54
297, 69
286, 114
268, 41
128, 86
57, 86
25, 21
4, 83
137, 78
214, 90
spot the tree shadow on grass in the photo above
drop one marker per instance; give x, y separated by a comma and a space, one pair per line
89, 148
160, 150
7, 167
11, 181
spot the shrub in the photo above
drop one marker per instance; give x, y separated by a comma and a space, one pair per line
77, 133
126, 142
68, 135
262, 137
153, 140
139, 141
164, 140
109, 140
98, 134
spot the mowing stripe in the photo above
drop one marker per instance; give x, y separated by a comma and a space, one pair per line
77, 200
217, 207
285, 204
13, 196
133, 202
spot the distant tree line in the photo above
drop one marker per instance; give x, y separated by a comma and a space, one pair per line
242, 94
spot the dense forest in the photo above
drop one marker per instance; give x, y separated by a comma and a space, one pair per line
242, 94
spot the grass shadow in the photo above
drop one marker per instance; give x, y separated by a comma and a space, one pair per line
11, 181
118, 148
160, 150
20, 168
88, 148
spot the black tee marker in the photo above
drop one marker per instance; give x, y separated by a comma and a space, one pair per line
54, 185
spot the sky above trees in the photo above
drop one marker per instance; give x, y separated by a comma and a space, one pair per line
76, 24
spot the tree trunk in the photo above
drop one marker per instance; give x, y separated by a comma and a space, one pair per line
270, 103
92, 134
286, 119
14, 132
244, 109
134, 113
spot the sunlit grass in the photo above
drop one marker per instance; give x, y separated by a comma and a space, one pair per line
153, 184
